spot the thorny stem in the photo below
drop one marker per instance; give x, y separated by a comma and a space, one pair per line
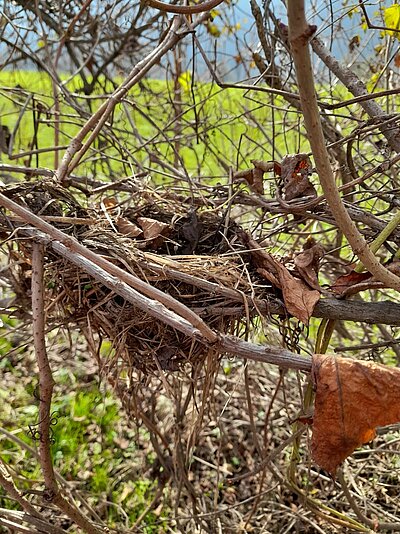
46, 384
299, 35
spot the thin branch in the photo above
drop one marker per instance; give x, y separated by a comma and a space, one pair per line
77, 149
46, 383
357, 87
299, 35
201, 7
8, 485
23, 517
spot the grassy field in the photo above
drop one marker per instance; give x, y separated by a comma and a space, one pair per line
236, 125
93, 446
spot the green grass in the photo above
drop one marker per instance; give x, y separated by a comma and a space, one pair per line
231, 123
92, 445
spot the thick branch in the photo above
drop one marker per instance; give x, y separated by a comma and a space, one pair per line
299, 35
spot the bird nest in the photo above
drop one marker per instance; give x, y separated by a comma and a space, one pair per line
194, 256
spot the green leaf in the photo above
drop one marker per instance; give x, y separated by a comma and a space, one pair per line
392, 19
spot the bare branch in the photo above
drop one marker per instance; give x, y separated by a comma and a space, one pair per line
8, 485
77, 149
46, 383
357, 87
185, 10
299, 36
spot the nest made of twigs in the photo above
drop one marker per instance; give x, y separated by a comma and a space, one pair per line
138, 340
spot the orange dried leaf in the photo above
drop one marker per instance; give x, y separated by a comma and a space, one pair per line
353, 397
127, 227
152, 228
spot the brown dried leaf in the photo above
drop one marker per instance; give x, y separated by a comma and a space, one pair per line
354, 282
353, 397
348, 283
152, 228
269, 276
258, 180
299, 299
295, 170
127, 227
110, 203
307, 263
254, 178
261, 258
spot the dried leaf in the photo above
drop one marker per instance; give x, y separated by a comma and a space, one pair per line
354, 282
152, 228
348, 284
110, 203
127, 227
269, 276
299, 299
258, 180
307, 263
354, 43
353, 397
295, 170
254, 178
